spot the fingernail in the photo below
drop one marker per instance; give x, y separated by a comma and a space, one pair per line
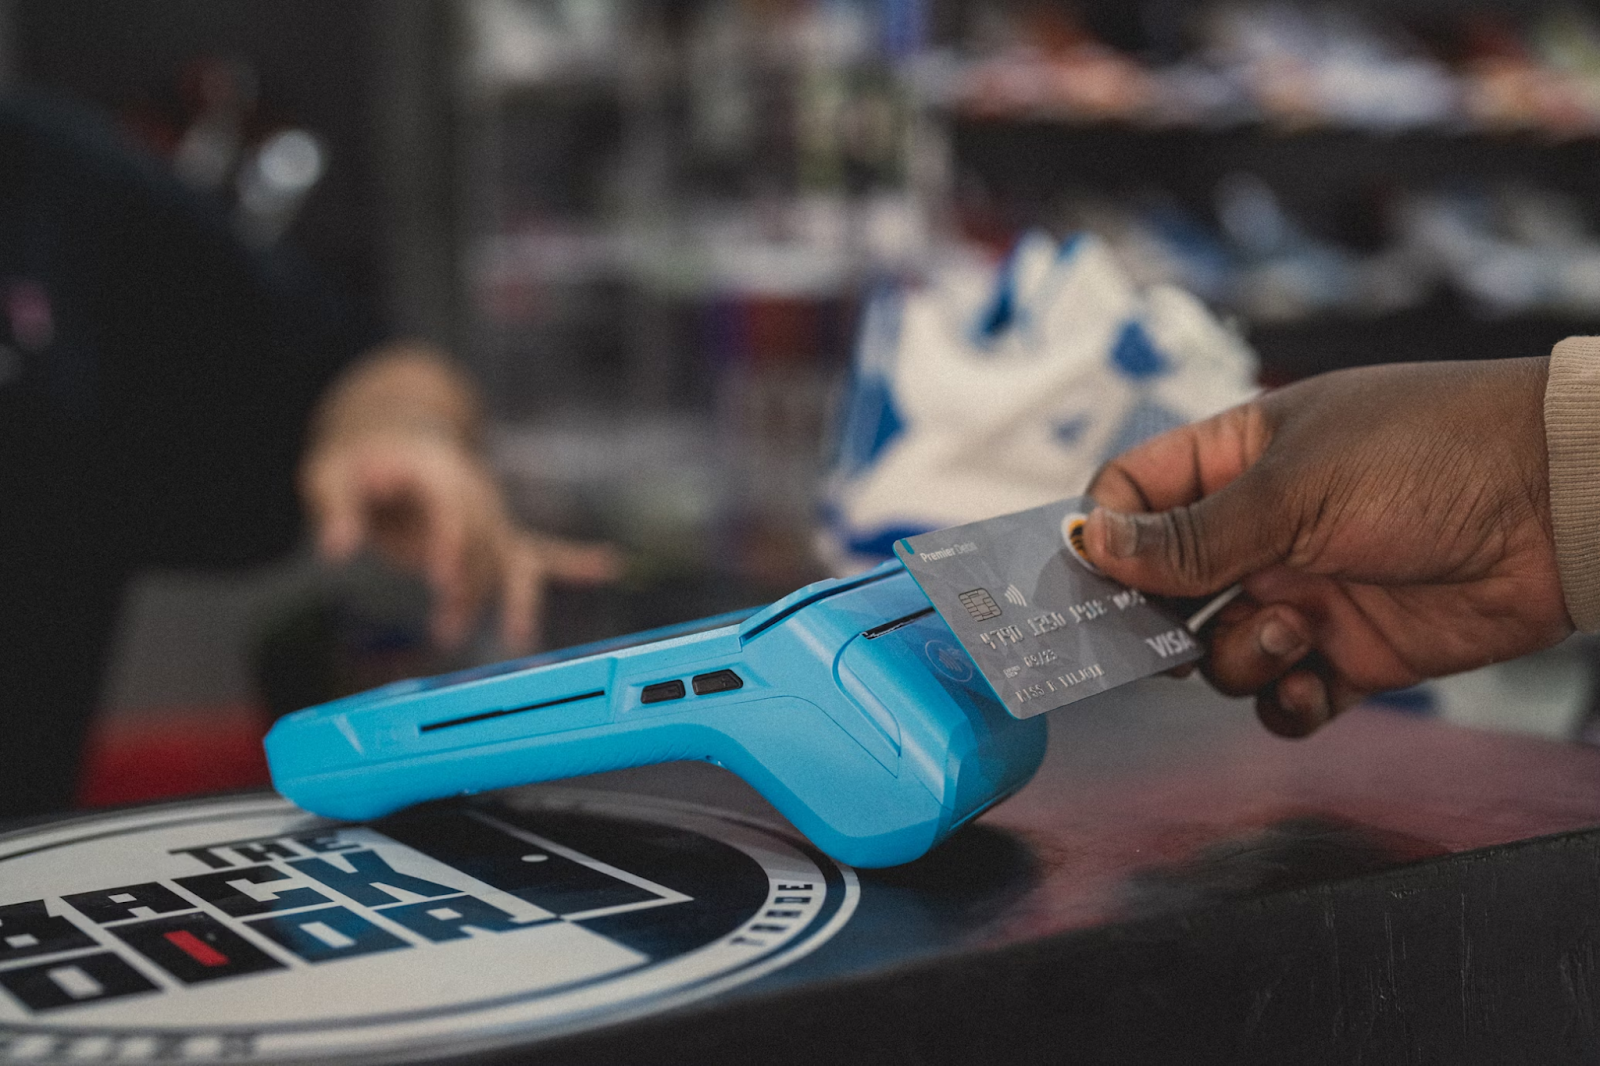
1122, 533
1313, 711
1319, 711
1277, 639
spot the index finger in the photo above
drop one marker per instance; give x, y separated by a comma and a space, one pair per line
448, 527
1184, 464
335, 508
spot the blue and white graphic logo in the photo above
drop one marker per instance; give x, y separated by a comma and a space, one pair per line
248, 931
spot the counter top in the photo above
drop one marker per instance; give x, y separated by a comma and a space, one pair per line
1174, 885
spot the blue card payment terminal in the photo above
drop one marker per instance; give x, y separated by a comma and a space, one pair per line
849, 705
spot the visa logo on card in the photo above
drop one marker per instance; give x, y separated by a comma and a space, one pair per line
1044, 626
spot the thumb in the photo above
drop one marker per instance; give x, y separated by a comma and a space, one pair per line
1194, 549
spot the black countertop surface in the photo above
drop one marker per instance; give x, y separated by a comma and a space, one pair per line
1175, 885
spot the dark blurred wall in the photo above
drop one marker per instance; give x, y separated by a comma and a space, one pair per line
327, 65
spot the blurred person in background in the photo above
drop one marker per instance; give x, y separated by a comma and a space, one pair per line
164, 389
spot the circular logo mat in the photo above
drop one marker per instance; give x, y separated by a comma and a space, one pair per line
245, 930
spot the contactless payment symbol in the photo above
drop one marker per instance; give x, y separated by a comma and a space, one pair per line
949, 660
248, 931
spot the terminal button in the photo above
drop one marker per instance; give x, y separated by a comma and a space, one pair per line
718, 681
662, 691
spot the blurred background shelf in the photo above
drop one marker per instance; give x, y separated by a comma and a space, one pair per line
1442, 329
1030, 159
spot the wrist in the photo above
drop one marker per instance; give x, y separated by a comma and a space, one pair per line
1572, 441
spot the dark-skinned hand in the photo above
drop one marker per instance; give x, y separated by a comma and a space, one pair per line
1389, 524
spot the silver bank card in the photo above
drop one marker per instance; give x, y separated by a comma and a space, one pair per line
1045, 627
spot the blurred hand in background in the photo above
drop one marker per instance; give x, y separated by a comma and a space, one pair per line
395, 463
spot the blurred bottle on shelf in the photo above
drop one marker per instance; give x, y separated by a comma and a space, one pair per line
533, 42
222, 138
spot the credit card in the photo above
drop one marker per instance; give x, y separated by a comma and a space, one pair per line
1044, 626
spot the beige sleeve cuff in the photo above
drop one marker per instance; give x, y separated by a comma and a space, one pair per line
1572, 437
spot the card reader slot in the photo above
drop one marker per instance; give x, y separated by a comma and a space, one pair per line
486, 715
889, 627
832, 588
